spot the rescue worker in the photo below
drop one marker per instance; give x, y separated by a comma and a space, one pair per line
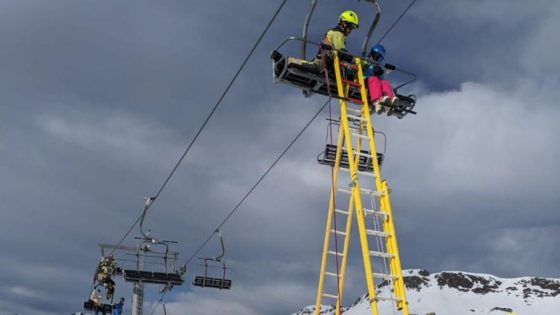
104, 271
380, 91
110, 284
336, 38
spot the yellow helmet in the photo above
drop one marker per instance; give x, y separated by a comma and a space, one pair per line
350, 17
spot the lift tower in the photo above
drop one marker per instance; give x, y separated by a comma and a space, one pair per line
143, 265
358, 192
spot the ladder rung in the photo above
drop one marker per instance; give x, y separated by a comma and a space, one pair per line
359, 135
353, 110
380, 254
346, 191
355, 100
371, 192
352, 83
376, 213
355, 117
332, 296
362, 190
354, 152
338, 232
386, 298
341, 211
332, 274
332, 252
384, 276
377, 233
359, 172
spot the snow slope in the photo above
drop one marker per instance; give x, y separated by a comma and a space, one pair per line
461, 293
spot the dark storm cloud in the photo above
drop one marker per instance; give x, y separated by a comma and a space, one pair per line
98, 99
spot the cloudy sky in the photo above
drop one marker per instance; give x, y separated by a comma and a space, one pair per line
98, 99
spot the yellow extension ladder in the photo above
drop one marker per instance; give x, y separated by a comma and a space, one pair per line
365, 197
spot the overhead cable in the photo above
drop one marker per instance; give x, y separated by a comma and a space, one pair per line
168, 178
232, 212
396, 21
256, 184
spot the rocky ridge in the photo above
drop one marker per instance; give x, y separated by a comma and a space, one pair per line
462, 293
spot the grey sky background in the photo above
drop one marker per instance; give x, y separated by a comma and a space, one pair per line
99, 98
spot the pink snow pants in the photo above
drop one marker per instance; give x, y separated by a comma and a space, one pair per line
378, 88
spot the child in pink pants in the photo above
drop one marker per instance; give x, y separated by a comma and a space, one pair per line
379, 88
380, 91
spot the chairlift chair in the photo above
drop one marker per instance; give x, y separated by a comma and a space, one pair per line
211, 282
167, 278
365, 162
311, 78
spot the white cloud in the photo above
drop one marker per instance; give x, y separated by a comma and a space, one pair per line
481, 138
497, 139
197, 304
26, 292
482, 13
540, 56
242, 300
115, 135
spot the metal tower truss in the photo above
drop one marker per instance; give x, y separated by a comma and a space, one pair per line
359, 193
145, 264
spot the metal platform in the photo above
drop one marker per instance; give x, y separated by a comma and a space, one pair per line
153, 277
313, 78
307, 76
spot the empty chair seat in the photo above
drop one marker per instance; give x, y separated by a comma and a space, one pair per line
365, 163
217, 283
153, 277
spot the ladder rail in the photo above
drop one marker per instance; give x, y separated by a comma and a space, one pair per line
345, 249
392, 245
330, 215
385, 206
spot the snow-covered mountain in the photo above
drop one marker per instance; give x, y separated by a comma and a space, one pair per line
462, 293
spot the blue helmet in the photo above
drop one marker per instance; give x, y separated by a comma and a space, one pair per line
377, 52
